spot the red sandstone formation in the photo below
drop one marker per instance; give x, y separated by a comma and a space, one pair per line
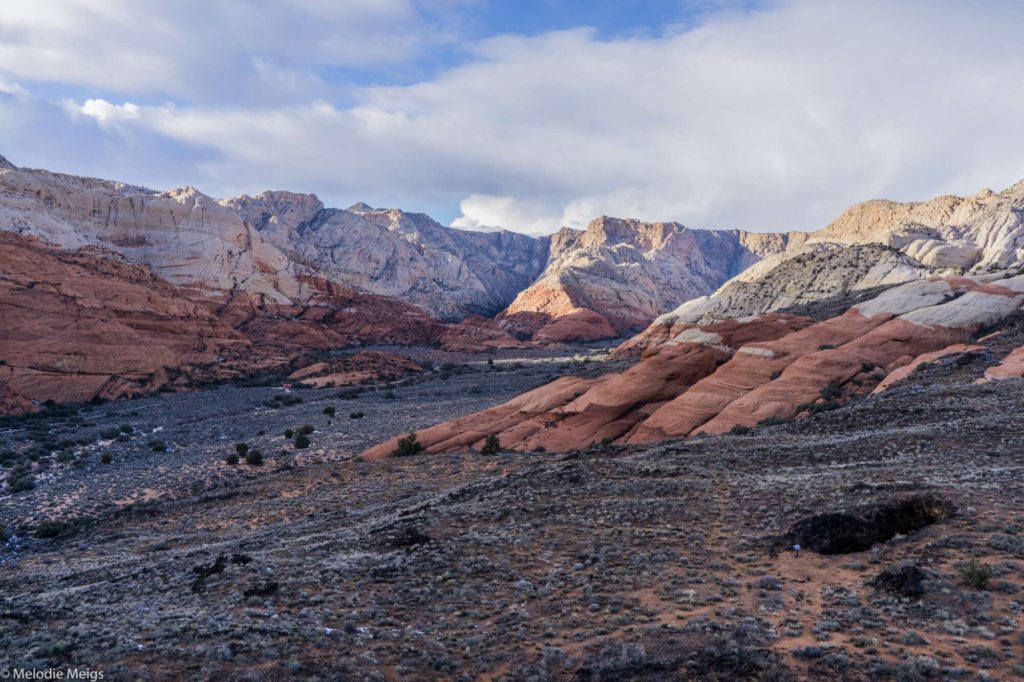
356, 368
1011, 367
77, 324
906, 370
739, 373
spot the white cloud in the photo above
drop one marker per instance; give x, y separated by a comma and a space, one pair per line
202, 50
103, 112
776, 119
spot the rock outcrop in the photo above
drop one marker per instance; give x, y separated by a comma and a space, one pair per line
736, 374
84, 323
355, 368
618, 275
1010, 367
980, 233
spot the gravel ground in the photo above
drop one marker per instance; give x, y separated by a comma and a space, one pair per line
667, 561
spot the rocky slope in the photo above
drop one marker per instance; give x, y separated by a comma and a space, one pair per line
448, 272
617, 275
980, 233
86, 322
736, 374
874, 244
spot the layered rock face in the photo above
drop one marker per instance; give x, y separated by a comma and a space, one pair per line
81, 323
617, 275
85, 323
871, 245
813, 273
983, 232
714, 378
450, 273
271, 245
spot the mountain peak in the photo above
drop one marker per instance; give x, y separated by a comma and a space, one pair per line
5, 164
360, 207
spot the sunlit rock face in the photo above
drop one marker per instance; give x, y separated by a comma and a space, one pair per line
617, 275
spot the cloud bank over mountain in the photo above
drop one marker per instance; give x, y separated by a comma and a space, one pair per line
840, 101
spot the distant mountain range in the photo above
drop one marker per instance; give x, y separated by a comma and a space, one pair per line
190, 279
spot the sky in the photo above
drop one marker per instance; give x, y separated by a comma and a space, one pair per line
528, 114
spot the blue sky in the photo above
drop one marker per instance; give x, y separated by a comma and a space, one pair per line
526, 115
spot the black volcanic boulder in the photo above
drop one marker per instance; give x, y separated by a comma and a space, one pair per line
855, 531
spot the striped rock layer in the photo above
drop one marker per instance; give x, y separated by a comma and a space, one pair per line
738, 373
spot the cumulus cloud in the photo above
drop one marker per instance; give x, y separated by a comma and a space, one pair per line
769, 119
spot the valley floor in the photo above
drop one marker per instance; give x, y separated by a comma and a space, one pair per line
652, 562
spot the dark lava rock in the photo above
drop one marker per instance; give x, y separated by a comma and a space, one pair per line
846, 532
906, 580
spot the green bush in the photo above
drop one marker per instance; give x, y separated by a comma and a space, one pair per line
408, 446
254, 457
109, 434
301, 441
976, 575
491, 446
288, 433
106, 458
231, 459
157, 446
127, 428
241, 449
329, 411
306, 429
48, 530
356, 415
20, 480
832, 390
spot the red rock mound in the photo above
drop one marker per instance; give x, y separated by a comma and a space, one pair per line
355, 368
740, 373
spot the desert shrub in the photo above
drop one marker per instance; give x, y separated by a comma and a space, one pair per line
832, 390
232, 459
20, 480
739, 430
826, 346
390, 395
127, 428
356, 415
408, 446
109, 434
773, 421
329, 411
157, 446
491, 446
254, 457
288, 433
241, 449
350, 394
106, 458
301, 441
976, 575
48, 530
306, 429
